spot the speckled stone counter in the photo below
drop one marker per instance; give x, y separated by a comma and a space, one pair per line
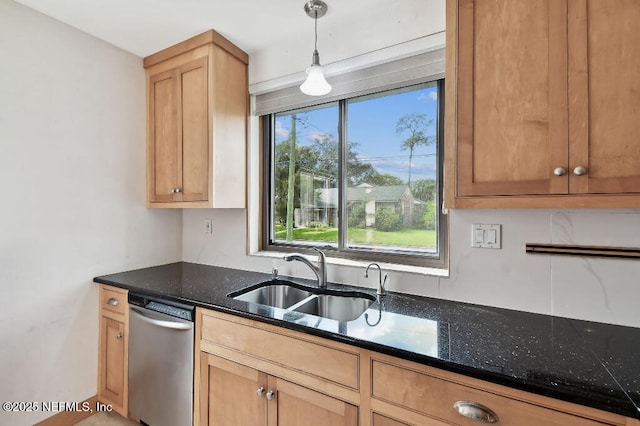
587, 363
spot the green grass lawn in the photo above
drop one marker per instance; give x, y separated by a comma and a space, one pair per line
405, 237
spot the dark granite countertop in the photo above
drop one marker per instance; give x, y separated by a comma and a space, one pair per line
587, 363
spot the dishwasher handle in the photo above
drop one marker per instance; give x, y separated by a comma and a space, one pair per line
161, 323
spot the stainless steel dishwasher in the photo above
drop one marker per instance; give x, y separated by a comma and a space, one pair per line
160, 361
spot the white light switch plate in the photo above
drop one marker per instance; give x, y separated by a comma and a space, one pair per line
486, 236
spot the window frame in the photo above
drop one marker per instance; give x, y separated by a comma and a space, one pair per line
398, 257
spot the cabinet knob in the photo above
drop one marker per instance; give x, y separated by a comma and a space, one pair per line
580, 170
112, 301
260, 391
559, 171
119, 336
176, 190
271, 395
475, 411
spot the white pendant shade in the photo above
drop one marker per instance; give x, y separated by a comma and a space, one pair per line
315, 84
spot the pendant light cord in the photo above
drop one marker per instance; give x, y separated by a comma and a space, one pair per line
315, 43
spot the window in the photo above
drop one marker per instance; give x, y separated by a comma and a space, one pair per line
360, 176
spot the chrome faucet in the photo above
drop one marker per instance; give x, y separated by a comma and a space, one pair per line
320, 270
381, 282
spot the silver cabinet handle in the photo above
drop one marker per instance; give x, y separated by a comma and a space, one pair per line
118, 336
559, 171
113, 301
580, 170
475, 411
271, 395
260, 391
176, 190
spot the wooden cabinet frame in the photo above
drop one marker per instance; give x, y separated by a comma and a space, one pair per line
304, 367
576, 110
113, 349
197, 124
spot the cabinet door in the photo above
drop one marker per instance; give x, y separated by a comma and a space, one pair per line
194, 160
164, 138
233, 394
512, 97
179, 134
112, 362
297, 405
604, 84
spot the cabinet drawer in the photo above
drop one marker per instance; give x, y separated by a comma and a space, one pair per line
298, 352
435, 397
112, 299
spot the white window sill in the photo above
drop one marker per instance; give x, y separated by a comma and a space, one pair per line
395, 267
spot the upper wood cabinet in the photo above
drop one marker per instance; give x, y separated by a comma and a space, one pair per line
197, 110
542, 103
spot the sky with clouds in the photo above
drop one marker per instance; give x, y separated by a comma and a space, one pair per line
372, 125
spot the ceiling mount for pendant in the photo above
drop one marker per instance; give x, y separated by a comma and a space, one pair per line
316, 8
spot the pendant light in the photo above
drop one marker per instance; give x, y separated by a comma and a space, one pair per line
315, 84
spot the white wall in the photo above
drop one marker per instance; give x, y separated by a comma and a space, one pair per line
600, 290
72, 161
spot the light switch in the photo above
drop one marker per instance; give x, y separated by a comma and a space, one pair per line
479, 236
486, 236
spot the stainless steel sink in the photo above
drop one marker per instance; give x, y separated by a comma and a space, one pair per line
333, 304
339, 308
277, 295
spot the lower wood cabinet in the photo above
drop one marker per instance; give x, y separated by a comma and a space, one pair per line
241, 395
298, 406
415, 394
113, 348
236, 393
251, 373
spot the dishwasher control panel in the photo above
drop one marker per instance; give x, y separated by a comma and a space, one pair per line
170, 310
168, 307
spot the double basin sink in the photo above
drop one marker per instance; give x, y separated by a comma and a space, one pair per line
338, 305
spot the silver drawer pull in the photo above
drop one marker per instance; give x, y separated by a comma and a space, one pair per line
113, 301
475, 411
260, 391
271, 395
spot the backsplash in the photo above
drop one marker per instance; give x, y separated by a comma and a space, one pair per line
602, 290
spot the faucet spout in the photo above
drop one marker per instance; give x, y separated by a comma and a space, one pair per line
320, 271
381, 282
